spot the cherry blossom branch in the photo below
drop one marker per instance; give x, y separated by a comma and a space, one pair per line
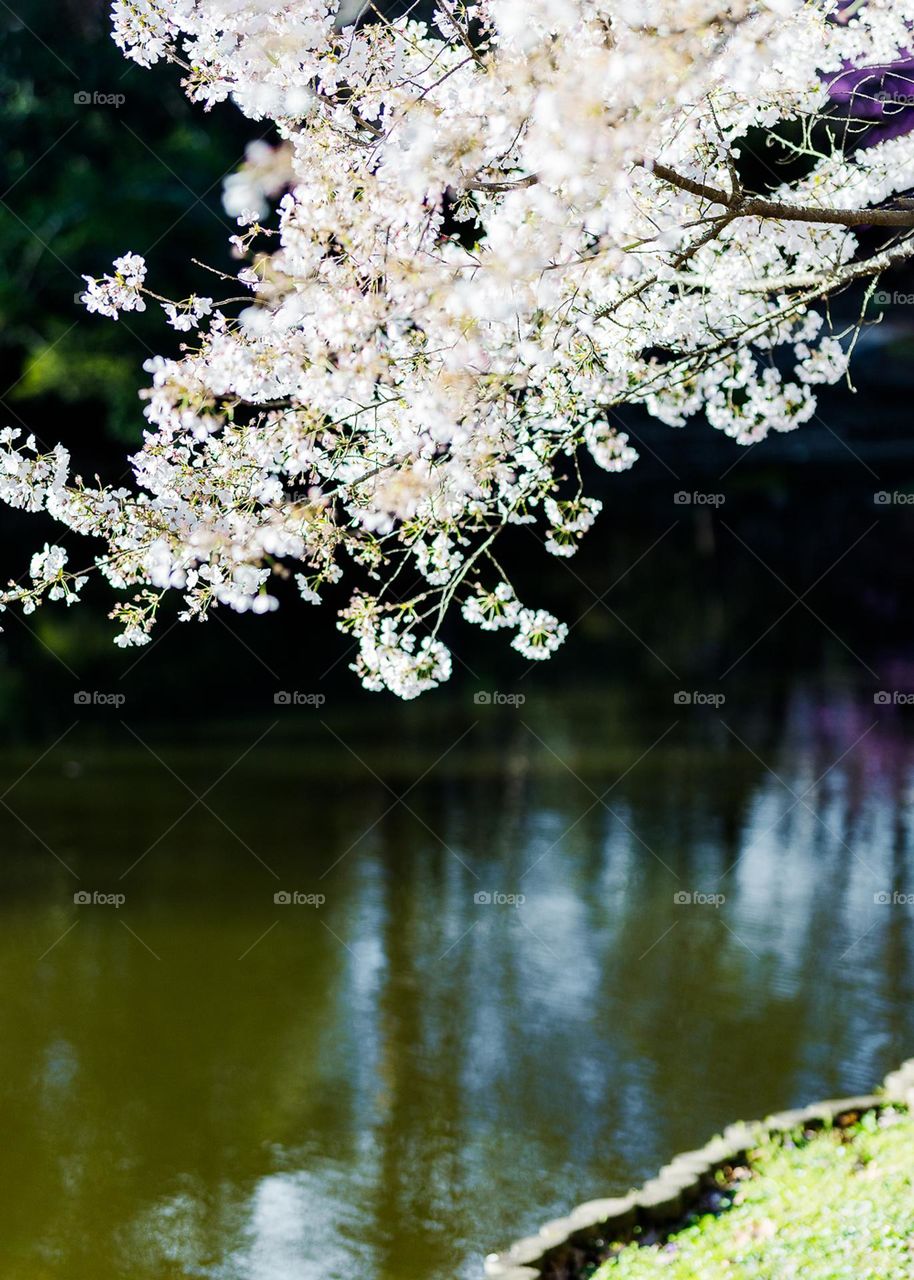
740, 205
819, 283
755, 207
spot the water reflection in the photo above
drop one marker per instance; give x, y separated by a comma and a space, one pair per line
204, 1083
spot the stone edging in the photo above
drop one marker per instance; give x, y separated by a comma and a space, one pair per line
677, 1186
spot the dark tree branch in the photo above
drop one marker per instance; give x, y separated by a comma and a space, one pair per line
754, 207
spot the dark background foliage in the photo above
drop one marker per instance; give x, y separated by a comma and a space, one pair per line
82, 182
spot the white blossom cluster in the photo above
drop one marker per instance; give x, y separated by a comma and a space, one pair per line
120, 292
490, 231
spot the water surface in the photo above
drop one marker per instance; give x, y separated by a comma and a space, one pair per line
203, 1082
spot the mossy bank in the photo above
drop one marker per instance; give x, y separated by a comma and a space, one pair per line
821, 1205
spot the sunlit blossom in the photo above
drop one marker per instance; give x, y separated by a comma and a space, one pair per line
472, 242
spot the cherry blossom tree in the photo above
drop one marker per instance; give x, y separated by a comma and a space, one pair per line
477, 236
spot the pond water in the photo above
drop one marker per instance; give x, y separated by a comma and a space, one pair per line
205, 1082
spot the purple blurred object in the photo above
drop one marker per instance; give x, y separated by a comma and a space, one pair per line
884, 93
879, 94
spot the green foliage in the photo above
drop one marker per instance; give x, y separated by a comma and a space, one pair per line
66, 366
81, 183
837, 1207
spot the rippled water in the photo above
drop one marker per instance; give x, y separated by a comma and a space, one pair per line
202, 1082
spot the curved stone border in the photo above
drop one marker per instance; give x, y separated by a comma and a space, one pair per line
663, 1200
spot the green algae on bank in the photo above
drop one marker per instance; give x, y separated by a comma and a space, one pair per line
837, 1204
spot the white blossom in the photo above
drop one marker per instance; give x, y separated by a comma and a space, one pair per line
539, 634
187, 315
381, 398
120, 292
491, 610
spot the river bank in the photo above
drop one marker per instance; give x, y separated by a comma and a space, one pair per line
822, 1192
